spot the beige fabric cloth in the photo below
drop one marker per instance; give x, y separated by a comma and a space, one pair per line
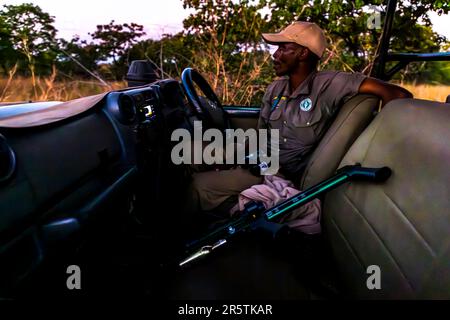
57, 112
274, 190
54, 113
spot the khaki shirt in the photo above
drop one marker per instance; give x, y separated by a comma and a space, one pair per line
302, 117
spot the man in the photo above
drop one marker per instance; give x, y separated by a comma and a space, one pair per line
300, 104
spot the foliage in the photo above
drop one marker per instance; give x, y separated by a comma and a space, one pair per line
6, 46
170, 54
227, 47
222, 39
115, 40
87, 54
29, 31
353, 45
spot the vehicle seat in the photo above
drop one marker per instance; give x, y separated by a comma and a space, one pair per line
351, 120
402, 225
353, 117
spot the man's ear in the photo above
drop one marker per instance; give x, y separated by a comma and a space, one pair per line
303, 53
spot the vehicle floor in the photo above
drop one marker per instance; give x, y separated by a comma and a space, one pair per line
131, 262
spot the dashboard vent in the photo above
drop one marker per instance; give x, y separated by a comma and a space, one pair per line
127, 108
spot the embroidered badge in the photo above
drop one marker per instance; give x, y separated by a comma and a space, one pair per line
305, 104
276, 100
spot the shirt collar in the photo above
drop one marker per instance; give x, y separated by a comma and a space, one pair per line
304, 87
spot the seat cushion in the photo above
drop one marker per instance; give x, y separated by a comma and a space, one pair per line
402, 225
351, 120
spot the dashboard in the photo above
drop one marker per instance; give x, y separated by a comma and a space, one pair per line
89, 169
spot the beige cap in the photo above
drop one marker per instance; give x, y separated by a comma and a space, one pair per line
306, 34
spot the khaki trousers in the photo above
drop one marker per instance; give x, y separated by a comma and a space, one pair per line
209, 189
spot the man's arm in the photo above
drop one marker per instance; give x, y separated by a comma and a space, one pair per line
386, 91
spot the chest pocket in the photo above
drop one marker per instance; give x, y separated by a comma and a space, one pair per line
275, 111
301, 119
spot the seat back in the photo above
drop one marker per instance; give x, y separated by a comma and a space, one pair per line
351, 120
401, 226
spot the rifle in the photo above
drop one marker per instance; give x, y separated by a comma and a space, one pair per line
255, 216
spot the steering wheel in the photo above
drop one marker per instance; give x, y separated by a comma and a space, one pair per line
208, 107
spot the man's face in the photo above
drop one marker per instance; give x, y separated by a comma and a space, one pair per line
285, 59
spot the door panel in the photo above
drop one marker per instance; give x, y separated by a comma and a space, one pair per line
243, 117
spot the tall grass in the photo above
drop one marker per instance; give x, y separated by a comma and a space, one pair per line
428, 91
49, 89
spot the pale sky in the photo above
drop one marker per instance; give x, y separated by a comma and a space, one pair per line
82, 16
157, 16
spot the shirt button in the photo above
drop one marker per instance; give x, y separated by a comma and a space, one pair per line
285, 122
284, 139
307, 123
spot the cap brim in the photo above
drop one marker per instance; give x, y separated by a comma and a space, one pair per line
273, 38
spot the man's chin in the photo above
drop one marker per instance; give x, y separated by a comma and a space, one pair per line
280, 73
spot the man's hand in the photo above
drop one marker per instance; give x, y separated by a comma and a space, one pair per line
386, 91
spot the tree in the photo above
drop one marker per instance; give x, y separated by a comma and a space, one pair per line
6, 47
170, 54
226, 46
229, 48
115, 40
86, 54
31, 33
352, 43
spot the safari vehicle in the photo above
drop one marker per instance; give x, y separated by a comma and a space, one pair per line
89, 184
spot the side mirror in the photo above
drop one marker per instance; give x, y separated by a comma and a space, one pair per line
141, 72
